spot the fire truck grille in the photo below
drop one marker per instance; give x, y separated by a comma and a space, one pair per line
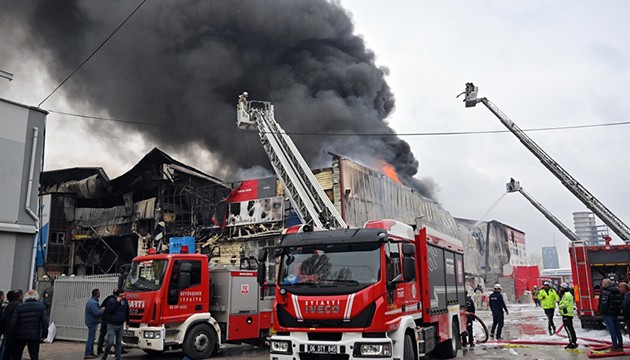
317, 336
363, 319
136, 314
307, 356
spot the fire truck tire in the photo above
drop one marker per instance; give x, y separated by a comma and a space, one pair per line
408, 353
200, 342
448, 349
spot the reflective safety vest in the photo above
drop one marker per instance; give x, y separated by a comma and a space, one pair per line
548, 298
566, 304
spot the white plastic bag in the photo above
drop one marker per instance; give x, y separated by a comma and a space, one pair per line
52, 331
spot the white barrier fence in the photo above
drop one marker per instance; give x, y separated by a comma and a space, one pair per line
69, 299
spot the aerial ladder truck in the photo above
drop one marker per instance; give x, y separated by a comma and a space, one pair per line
312, 205
590, 264
515, 186
588, 199
385, 290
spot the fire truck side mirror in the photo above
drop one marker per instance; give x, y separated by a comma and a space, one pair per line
184, 276
262, 255
262, 274
409, 261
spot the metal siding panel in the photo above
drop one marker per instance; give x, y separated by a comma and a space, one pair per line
68, 307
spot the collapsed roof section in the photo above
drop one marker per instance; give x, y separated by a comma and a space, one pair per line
157, 188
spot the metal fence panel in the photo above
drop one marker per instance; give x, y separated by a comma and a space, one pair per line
70, 296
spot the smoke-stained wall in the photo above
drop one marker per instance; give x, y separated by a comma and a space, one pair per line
21, 155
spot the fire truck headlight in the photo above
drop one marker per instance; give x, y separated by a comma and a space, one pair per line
151, 335
373, 349
280, 347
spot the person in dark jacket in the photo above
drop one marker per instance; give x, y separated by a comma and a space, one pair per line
470, 317
625, 307
28, 326
497, 305
104, 317
15, 300
610, 300
3, 323
92, 318
117, 311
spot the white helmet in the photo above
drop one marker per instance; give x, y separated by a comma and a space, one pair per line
564, 285
498, 286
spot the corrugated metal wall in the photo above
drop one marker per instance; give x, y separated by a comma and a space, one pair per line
69, 299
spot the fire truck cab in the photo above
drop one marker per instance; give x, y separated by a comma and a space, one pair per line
176, 301
382, 291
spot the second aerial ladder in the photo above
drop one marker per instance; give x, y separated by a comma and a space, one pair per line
588, 199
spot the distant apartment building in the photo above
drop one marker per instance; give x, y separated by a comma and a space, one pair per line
586, 228
550, 257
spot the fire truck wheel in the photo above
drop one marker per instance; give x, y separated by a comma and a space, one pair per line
200, 342
448, 349
408, 353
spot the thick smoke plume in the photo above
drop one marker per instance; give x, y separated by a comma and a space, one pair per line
180, 65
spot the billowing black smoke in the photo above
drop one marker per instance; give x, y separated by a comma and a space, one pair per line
180, 66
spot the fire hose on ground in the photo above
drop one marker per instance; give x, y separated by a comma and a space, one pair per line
596, 347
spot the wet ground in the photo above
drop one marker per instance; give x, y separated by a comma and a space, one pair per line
525, 336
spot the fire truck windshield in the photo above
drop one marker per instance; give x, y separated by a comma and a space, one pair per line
146, 275
330, 265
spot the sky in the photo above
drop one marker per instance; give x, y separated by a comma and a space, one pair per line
544, 64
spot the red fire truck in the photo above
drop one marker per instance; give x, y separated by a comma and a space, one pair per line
590, 264
383, 291
178, 301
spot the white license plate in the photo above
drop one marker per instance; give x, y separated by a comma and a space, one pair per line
322, 349
128, 333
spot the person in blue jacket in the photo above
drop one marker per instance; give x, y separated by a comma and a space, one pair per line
497, 305
92, 319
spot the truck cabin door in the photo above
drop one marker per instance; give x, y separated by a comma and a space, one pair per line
185, 291
401, 273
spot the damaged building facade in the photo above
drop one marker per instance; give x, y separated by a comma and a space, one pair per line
97, 224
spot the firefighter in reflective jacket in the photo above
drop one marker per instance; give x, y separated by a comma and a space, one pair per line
497, 305
566, 310
548, 298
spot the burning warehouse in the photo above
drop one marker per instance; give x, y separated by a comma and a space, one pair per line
95, 224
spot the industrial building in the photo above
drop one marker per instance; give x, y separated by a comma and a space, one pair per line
22, 148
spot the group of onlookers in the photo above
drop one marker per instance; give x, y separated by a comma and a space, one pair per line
23, 324
112, 314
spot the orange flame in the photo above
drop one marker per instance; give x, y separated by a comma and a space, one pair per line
389, 171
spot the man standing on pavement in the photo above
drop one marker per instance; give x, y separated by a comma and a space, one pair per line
566, 310
3, 323
548, 298
624, 289
15, 300
497, 305
118, 314
28, 326
535, 296
104, 319
470, 317
92, 318
610, 300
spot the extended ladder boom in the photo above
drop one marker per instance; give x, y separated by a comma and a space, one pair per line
307, 196
614, 223
514, 186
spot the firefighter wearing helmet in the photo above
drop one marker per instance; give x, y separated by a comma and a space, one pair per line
548, 298
566, 310
497, 305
